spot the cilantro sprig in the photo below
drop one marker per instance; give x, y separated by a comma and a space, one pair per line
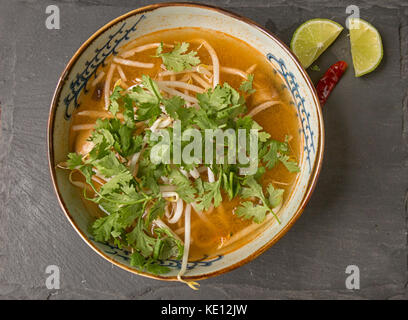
178, 60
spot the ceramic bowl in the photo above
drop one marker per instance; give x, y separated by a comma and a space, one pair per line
105, 42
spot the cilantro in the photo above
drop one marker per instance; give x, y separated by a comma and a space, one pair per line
109, 165
74, 160
248, 210
115, 96
275, 196
185, 189
175, 108
143, 264
291, 165
212, 195
218, 106
246, 86
178, 60
140, 240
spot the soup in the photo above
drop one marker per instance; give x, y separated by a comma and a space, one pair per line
199, 80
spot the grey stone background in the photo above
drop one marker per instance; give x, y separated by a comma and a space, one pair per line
357, 214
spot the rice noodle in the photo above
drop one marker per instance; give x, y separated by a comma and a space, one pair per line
98, 78
133, 161
79, 127
251, 69
203, 69
178, 93
186, 77
122, 74
180, 84
165, 123
233, 71
200, 80
99, 179
262, 107
141, 48
184, 172
106, 89
215, 62
281, 183
98, 114
78, 184
211, 177
177, 212
170, 194
132, 63
194, 173
166, 210
155, 125
187, 240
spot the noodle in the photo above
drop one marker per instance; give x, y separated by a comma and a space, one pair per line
178, 212
79, 127
201, 81
178, 93
262, 107
215, 62
98, 79
180, 84
131, 63
121, 73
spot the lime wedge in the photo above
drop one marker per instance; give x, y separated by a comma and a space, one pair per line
366, 46
312, 38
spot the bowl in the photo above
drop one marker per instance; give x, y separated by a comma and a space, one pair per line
105, 42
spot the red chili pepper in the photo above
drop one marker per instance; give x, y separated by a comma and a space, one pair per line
329, 80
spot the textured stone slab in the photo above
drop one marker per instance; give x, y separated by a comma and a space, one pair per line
357, 214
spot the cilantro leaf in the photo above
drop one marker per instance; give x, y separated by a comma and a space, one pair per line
141, 263
178, 60
291, 165
175, 108
185, 189
115, 96
254, 189
109, 165
248, 210
275, 196
246, 86
74, 160
102, 228
140, 240
212, 195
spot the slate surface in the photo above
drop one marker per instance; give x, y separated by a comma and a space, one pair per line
357, 214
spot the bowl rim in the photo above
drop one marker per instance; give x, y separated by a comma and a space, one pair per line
313, 175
